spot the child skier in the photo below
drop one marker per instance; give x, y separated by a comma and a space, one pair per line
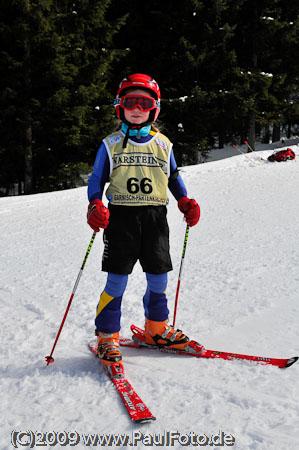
139, 164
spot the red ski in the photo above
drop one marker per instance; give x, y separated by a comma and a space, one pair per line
137, 341
137, 410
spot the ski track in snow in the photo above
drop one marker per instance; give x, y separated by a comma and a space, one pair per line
239, 292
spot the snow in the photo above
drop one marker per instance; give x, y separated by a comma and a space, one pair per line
239, 293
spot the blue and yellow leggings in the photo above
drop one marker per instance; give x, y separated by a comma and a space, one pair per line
109, 307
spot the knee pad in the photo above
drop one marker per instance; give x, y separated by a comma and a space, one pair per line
116, 284
157, 282
154, 300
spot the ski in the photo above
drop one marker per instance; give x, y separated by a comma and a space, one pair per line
135, 407
137, 341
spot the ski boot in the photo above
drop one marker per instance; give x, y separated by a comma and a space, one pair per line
108, 348
163, 335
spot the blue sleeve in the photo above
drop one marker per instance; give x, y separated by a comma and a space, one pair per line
99, 176
176, 186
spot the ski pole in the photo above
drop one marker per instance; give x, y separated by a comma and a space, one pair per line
180, 274
245, 154
50, 359
253, 151
249, 146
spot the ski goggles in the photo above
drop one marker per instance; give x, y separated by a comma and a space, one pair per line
144, 102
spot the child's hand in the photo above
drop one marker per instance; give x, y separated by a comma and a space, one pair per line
97, 215
190, 209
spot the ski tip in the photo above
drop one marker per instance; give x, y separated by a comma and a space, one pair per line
144, 419
291, 361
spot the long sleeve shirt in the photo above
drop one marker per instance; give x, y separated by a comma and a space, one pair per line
101, 173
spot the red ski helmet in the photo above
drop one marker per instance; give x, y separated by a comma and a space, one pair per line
138, 81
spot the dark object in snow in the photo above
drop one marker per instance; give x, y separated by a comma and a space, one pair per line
282, 155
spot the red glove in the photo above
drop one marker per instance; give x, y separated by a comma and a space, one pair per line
97, 215
190, 209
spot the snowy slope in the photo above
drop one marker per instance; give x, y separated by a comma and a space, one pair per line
239, 293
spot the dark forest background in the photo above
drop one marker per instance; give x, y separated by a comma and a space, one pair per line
228, 72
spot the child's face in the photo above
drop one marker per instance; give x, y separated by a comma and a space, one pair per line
136, 115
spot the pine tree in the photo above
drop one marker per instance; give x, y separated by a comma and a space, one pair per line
226, 68
159, 50
266, 78
55, 106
